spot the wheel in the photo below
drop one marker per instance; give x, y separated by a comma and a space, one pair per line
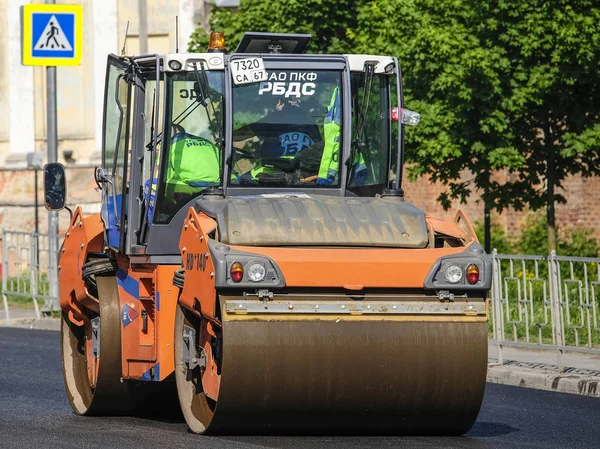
197, 387
92, 357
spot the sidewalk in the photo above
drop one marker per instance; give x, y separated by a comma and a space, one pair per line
580, 373
26, 318
16, 313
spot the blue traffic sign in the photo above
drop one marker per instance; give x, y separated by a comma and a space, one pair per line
52, 34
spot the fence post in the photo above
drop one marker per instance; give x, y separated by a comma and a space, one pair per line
5, 275
555, 312
53, 255
497, 323
34, 270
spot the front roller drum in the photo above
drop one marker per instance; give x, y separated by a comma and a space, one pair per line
360, 374
92, 357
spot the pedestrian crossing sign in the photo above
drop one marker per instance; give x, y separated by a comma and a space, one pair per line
52, 34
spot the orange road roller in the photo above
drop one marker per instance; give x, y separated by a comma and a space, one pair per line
254, 258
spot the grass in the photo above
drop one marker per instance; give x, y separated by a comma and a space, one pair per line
23, 284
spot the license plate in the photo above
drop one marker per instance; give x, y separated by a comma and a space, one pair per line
248, 70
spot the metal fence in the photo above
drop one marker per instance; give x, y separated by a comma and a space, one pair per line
546, 302
29, 272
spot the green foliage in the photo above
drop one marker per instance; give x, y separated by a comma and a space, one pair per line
533, 239
489, 79
501, 241
328, 22
22, 284
571, 242
534, 236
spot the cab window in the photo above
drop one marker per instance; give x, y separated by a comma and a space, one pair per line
287, 131
192, 141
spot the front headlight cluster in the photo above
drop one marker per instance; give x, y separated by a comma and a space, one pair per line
468, 270
455, 273
254, 271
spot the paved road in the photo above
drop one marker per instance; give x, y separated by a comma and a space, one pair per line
34, 413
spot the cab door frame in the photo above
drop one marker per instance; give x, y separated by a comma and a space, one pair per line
142, 147
113, 210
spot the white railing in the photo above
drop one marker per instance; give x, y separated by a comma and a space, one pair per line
28, 265
546, 302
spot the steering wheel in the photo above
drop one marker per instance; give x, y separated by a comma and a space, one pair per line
244, 153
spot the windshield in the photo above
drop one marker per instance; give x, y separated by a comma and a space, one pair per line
287, 131
371, 141
192, 158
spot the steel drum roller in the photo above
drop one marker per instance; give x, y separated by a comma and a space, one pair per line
353, 374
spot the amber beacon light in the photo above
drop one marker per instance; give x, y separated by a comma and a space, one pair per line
217, 42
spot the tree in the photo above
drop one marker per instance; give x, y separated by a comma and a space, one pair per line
327, 21
501, 85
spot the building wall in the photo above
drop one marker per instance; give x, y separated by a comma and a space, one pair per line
4, 104
79, 89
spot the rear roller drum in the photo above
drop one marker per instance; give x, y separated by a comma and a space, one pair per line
92, 357
197, 368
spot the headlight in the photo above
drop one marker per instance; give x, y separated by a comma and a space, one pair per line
174, 64
453, 274
256, 272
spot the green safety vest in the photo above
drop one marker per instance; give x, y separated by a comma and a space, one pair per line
332, 126
194, 163
330, 165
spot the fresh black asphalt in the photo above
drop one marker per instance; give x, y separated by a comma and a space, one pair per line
34, 413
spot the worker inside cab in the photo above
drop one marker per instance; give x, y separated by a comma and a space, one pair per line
281, 134
192, 161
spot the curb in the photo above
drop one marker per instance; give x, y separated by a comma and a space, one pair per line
545, 380
45, 324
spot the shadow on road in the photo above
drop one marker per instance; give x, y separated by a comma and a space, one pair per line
490, 429
375, 442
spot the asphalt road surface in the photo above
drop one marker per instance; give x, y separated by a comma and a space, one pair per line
34, 413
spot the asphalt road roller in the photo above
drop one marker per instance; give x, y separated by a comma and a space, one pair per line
255, 261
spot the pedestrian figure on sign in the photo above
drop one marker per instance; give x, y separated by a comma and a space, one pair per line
52, 36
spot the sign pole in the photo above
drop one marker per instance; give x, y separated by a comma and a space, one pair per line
52, 139
52, 35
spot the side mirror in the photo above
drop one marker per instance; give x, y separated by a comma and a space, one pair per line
55, 186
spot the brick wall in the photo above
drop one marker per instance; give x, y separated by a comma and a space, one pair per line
581, 211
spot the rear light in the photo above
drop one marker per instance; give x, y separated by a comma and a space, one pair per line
236, 271
472, 274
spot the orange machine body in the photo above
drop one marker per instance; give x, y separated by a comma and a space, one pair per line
148, 298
